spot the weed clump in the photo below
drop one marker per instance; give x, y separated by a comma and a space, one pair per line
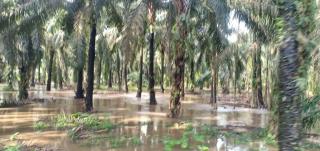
40, 126
83, 120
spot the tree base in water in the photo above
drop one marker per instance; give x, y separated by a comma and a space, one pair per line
138, 94
79, 95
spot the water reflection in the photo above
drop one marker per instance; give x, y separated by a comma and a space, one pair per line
134, 116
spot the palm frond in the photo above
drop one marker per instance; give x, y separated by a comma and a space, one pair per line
27, 14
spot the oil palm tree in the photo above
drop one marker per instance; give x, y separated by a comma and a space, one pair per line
293, 67
181, 7
258, 17
27, 16
289, 105
151, 19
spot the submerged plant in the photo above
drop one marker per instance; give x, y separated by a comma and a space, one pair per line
198, 136
203, 148
170, 143
117, 142
39, 126
62, 121
135, 141
209, 130
87, 121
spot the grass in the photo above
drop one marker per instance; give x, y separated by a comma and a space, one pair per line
114, 141
183, 141
40, 126
87, 121
12, 148
118, 142
193, 138
203, 148
85, 126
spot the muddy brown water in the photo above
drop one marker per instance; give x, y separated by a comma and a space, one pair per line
148, 123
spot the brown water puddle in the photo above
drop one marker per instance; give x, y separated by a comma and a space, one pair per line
136, 117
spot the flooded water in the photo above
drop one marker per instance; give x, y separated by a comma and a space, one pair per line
135, 117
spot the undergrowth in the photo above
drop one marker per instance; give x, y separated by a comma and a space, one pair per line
84, 120
40, 125
12, 148
194, 138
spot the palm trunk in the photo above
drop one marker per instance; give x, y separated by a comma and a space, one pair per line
119, 72
214, 78
24, 70
192, 75
289, 130
10, 77
60, 79
175, 104
79, 92
63, 70
39, 73
162, 70
211, 89
215, 86
237, 76
106, 71
140, 74
256, 79
182, 89
267, 98
50, 69
91, 56
259, 79
23, 82
54, 76
153, 100
179, 61
110, 77
126, 77
79, 74
99, 72
33, 74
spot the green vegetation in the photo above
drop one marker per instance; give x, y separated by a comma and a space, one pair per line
113, 141
40, 126
195, 137
84, 120
118, 142
203, 148
12, 148
135, 141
